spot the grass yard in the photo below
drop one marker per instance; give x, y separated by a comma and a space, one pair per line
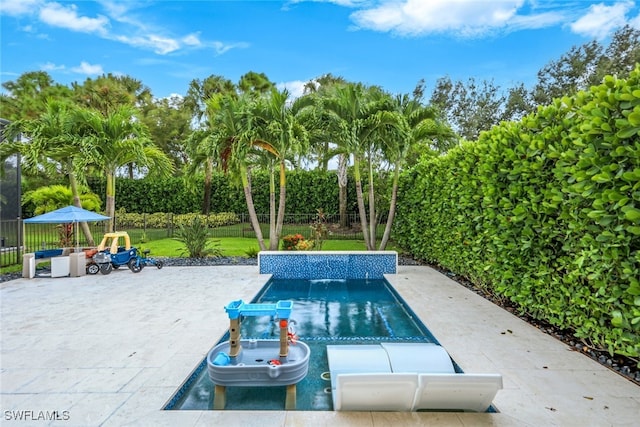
238, 246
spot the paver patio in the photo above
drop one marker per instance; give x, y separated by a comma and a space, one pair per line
111, 350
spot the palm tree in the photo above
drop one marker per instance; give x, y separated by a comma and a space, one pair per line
201, 147
115, 140
201, 151
320, 87
231, 123
54, 146
354, 114
320, 139
279, 133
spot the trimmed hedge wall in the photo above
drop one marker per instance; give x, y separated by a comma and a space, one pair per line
307, 191
545, 212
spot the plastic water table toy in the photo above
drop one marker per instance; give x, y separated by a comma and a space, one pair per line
257, 363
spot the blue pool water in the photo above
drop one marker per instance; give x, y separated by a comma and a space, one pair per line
325, 312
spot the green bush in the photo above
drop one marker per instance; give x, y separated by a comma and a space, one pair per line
195, 237
306, 192
545, 212
160, 220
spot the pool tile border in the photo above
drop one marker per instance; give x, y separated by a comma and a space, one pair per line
328, 264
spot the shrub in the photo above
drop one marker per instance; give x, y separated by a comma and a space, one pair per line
195, 237
252, 252
319, 230
290, 242
544, 212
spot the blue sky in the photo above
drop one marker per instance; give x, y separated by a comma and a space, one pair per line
390, 43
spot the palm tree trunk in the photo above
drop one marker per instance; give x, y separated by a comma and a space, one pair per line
392, 209
251, 208
342, 188
206, 203
325, 159
73, 183
373, 220
361, 209
273, 241
111, 202
281, 202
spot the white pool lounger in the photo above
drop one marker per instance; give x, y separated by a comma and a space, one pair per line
462, 392
375, 392
405, 377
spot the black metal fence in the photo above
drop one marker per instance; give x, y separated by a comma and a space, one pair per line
51, 236
10, 236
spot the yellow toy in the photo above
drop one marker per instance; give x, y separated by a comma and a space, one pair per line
112, 255
112, 240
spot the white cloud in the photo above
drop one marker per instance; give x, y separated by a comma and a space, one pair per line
57, 15
417, 17
50, 66
191, 40
601, 20
221, 47
123, 25
18, 7
540, 20
86, 68
158, 44
162, 44
295, 88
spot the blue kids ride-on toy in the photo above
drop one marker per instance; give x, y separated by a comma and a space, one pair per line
111, 255
139, 262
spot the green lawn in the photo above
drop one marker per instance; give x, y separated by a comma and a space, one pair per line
237, 246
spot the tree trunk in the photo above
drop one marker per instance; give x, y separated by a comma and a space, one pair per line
110, 202
273, 241
342, 187
281, 203
325, 158
73, 183
251, 208
392, 209
361, 209
373, 219
206, 203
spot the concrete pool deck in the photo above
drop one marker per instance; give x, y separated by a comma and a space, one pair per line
112, 350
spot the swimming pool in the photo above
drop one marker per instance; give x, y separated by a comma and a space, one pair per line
325, 312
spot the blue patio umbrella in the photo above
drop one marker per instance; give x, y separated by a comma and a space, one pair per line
66, 215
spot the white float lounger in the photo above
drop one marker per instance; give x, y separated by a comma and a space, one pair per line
405, 377
362, 380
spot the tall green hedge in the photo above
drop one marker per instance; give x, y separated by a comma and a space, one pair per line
545, 212
307, 191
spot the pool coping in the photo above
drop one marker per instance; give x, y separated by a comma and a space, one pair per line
111, 350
